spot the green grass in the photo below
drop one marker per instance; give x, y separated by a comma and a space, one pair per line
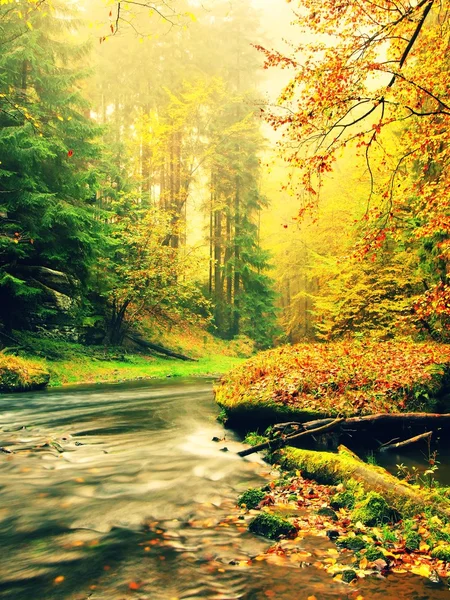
91, 370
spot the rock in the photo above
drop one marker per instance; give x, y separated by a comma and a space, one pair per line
271, 526
351, 542
251, 498
20, 375
325, 511
349, 575
374, 510
441, 552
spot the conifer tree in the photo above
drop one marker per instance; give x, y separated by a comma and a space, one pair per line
47, 153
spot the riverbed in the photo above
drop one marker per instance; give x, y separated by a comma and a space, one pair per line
119, 491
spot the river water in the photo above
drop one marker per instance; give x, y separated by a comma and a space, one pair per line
118, 491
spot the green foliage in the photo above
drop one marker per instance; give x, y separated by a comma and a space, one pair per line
47, 150
251, 498
254, 439
271, 526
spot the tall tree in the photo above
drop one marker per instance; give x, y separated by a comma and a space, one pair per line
47, 149
367, 70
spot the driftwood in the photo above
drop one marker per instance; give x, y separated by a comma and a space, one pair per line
157, 348
277, 443
293, 431
416, 438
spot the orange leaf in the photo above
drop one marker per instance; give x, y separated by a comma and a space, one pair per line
134, 586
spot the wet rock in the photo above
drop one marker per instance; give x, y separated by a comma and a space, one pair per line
351, 542
349, 575
251, 498
271, 526
325, 511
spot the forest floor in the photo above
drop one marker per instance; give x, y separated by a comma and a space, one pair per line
348, 378
367, 533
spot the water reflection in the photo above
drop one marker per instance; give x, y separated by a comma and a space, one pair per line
119, 492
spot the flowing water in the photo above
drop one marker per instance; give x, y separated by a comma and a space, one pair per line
118, 492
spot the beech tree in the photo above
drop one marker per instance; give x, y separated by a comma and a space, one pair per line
369, 71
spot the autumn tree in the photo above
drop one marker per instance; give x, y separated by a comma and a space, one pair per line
370, 71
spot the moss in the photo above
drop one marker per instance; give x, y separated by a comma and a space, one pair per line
271, 526
373, 553
349, 575
441, 552
325, 511
355, 542
373, 510
254, 439
345, 499
251, 498
412, 541
20, 375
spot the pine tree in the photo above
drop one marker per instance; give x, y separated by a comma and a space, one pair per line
48, 152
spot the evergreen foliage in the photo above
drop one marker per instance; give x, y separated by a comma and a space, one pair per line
47, 152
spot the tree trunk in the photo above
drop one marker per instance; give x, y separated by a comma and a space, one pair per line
157, 348
329, 468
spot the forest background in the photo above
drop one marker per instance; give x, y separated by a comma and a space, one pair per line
142, 189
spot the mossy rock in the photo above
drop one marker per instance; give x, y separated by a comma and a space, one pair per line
271, 526
325, 511
373, 510
20, 375
354, 543
373, 553
349, 575
345, 499
251, 498
441, 552
412, 541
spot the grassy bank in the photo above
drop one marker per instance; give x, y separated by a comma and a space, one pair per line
62, 363
89, 370
346, 378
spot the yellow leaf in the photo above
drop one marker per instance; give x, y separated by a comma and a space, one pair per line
423, 570
29, 25
363, 563
58, 579
423, 546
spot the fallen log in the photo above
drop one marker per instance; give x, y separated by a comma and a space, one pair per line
329, 468
416, 438
280, 442
157, 348
381, 419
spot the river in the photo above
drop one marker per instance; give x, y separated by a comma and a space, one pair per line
119, 491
